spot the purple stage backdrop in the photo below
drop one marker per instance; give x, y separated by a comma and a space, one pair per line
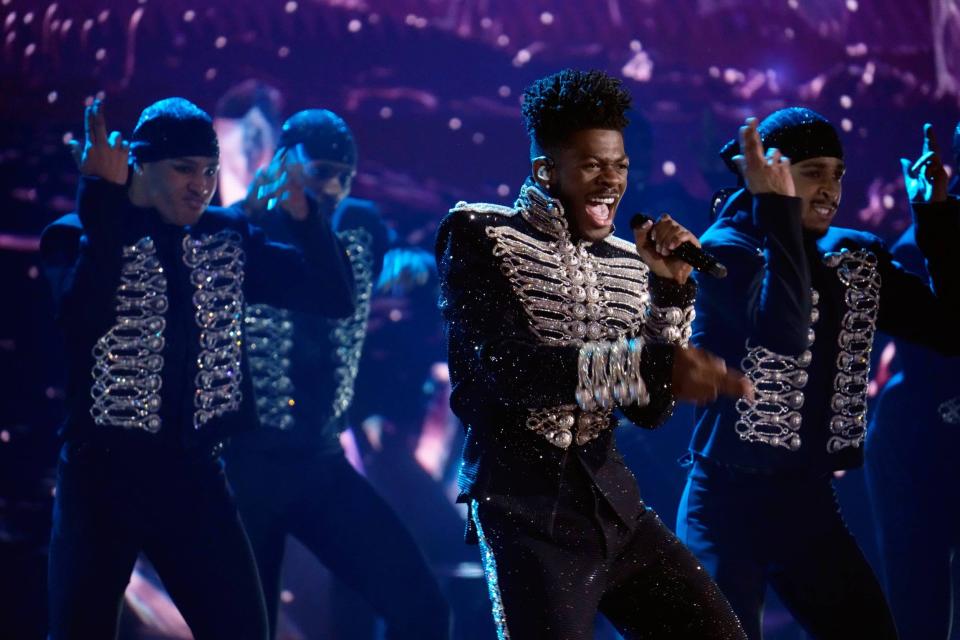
431, 90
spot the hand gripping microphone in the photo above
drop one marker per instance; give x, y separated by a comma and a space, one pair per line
688, 252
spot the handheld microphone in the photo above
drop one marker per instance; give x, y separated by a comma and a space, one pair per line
688, 252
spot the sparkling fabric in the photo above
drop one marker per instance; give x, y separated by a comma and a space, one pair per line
216, 262
858, 272
573, 294
549, 581
128, 359
773, 417
347, 335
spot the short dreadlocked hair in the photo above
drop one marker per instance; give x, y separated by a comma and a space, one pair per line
561, 104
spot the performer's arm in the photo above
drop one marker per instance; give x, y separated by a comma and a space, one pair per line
925, 312
102, 193
313, 273
314, 277
769, 293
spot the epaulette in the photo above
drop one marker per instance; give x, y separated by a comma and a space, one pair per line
484, 207
620, 243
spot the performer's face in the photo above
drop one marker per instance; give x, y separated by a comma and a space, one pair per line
180, 188
589, 177
324, 179
818, 182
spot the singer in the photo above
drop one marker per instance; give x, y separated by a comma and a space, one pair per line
552, 325
798, 312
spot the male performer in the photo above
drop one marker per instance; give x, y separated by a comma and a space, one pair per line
291, 476
151, 300
552, 324
912, 473
798, 312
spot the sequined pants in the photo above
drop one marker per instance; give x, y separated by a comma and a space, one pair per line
551, 582
175, 509
334, 512
750, 530
914, 483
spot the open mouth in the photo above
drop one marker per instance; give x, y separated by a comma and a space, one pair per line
823, 212
600, 208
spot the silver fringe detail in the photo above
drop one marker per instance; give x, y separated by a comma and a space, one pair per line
609, 375
348, 334
490, 572
950, 411
269, 336
216, 262
773, 417
858, 272
127, 359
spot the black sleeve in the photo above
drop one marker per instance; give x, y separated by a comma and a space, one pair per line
925, 312
491, 351
657, 358
59, 250
765, 294
101, 207
314, 277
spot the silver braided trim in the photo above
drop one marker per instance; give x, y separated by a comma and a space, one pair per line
773, 417
609, 375
671, 325
950, 411
127, 359
216, 262
857, 270
559, 424
348, 334
269, 338
493, 583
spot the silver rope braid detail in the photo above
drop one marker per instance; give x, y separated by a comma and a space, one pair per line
216, 262
773, 417
857, 270
269, 336
127, 359
671, 325
348, 334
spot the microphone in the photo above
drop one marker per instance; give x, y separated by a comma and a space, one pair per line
688, 252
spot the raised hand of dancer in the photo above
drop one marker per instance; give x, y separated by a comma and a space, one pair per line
279, 184
102, 156
925, 178
656, 240
761, 173
700, 377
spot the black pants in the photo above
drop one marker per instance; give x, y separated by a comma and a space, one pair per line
175, 509
550, 581
914, 484
336, 514
750, 530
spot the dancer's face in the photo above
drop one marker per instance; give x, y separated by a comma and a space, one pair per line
323, 179
818, 182
589, 176
179, 188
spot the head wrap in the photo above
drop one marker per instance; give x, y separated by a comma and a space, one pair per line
173, 128
323, 134
799, 134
